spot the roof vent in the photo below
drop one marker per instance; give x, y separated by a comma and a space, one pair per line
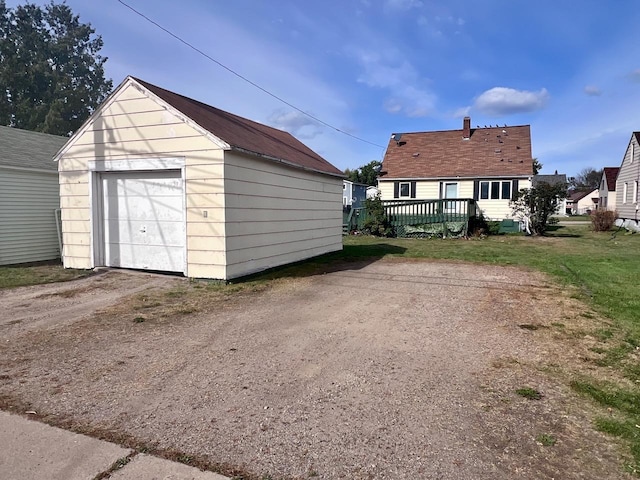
498, 150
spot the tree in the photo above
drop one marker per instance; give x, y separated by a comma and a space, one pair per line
588, 179
535, 205
537, 166
51, 72
367, 174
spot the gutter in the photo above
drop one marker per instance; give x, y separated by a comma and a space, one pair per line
485, 177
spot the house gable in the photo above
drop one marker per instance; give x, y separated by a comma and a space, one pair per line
627, 195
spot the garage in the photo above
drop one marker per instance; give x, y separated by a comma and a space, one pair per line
155, 180
144, 220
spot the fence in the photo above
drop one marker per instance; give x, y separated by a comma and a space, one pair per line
420, 218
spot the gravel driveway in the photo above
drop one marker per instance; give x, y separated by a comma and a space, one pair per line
394, 369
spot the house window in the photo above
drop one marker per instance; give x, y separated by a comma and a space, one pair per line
484, 190
495, 190
405, 189
625, 191
632, 148
635, 191
506, 190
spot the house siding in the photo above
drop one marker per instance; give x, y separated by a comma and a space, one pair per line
629, 174
28, 231
276, 214
132, 127
430, 190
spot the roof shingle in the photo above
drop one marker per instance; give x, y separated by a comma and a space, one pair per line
611, 175
488, 152
26, 149
241, 133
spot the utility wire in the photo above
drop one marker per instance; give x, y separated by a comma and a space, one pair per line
220, 64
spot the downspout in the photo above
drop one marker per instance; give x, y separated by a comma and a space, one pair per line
58, 218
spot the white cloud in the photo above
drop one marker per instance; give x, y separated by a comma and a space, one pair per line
592, 91
505, 101
403, 4
296, 123
406, 93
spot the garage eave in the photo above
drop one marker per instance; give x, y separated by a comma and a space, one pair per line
284, 162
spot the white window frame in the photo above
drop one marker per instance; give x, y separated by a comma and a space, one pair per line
489, 184
408, 195
635, 191
625, 192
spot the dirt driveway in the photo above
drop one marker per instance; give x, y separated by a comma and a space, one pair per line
394, 369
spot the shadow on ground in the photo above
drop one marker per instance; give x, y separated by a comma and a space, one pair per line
352, 257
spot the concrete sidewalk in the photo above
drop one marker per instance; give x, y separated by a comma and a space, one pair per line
36, 451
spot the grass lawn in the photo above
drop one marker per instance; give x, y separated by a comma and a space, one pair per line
50, 272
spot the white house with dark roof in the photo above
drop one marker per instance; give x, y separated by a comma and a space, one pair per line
489, 164
607, 188
29, 196
157, 181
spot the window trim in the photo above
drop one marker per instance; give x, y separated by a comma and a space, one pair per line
625, 192
400, 185
489, 185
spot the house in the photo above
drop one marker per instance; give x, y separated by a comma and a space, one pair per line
488, 164
583, 202
554, 179
158, 181
608, 188
29, 196
353, 194
372, 192
627, 184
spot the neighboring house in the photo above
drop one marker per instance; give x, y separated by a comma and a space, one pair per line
489, 165
353, 194
372, 192
583, 203
29, 196
627, 182
553, 180
155, 180
608, 188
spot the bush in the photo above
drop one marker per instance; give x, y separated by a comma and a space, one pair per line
376, 222
603, 220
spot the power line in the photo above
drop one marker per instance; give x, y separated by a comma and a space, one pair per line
220, 64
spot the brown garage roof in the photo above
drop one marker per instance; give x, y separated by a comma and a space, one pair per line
611, 175
244, 134
486, 152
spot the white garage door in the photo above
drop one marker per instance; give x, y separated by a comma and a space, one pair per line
144, 220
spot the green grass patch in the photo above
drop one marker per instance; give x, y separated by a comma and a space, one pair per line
529, 393
546, 439
37, 274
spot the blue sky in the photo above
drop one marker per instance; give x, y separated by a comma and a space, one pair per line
569, 69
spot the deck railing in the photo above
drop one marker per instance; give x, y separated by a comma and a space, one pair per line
421, 218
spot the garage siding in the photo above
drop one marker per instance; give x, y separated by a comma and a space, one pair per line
276, 214
134, 126
28, 200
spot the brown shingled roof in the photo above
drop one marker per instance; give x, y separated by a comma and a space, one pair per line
611, 174
488, 152
243, 134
